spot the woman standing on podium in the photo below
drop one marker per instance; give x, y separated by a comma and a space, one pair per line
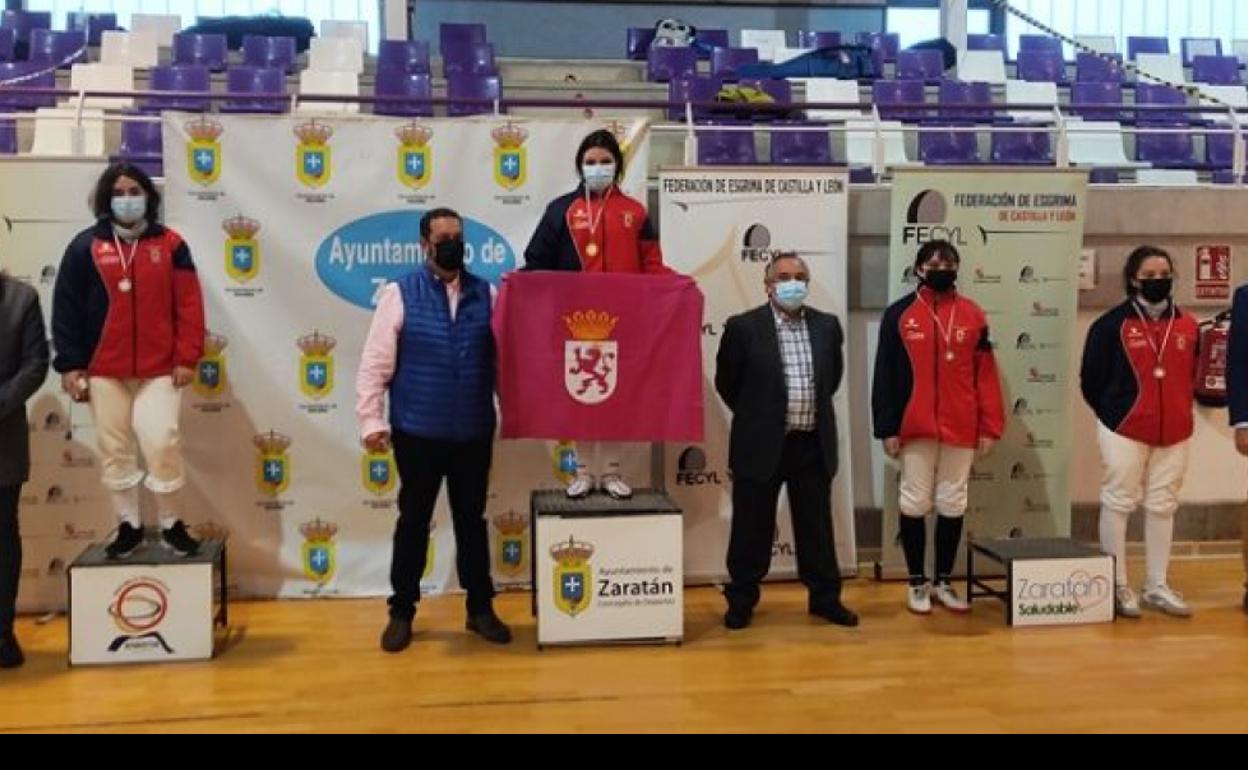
1139, 365
128, 327
597, 228
936, 405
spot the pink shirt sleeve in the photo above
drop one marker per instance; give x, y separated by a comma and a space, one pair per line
378, 362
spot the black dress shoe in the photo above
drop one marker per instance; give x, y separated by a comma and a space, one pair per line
10, 652
397, 636
489, 627
737, 618
836, 614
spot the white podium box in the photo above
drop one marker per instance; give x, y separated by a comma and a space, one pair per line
1048, 581
607, 570
155, 606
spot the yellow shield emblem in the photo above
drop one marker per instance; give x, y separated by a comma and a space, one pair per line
203, 160
379, 475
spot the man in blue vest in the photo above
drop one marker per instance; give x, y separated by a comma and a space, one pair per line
430, 347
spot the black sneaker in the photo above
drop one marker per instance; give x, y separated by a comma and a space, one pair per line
10, 651
489, 627
129, 537
177, 538
397, 636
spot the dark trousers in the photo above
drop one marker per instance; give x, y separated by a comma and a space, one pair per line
10, 556
754, 503
423, 464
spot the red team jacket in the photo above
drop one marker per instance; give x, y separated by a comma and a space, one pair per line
142, 333
918, 393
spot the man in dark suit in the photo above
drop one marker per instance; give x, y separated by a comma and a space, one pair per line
1237, 394
777, 368
23, 367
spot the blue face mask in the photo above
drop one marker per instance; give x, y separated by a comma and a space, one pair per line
129, 209
791, 294
598, 177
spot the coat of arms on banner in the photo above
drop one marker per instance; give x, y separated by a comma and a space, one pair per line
574, 588
242, 250
203, 150
379, 473
312, 154
316, 365
511, 545
210, 371
591, 357
319, 550
415, 158
511, 166
273, 463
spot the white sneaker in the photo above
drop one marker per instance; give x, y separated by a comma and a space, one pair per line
950, 599
919, 599
582, 484
1125, 603
613, 484
1167, 600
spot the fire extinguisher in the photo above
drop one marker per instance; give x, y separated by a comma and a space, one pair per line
1211, 368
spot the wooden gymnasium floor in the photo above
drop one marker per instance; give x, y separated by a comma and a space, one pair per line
315, 666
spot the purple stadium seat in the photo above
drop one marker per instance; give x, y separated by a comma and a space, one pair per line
250, 81
209, 50
405, 55
478, 87
885, 93
920, 65
1138, 45
1216, 70
180, 78
1041, 67
270, 52
472, 59
396, 82
801, 148
726, 61
62, 49
726, 148
664, 64
1098, 69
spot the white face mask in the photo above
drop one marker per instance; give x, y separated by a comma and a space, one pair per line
128, 209
598, 177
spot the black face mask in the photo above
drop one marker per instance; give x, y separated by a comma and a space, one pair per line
1155, 290
940, 281
449, 255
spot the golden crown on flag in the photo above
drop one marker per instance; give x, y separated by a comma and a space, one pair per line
214, 344
313, 132
318, 531
316, 344
572, 552
591, 325
414, 134
509, 135
511, 523
204, 129
272, 443
240, 227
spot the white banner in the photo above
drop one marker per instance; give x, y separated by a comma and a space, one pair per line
1019, 234
295, 224
722, 226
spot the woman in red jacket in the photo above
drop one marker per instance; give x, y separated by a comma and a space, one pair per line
1139, 364
936, 404
597, 228
128, 326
